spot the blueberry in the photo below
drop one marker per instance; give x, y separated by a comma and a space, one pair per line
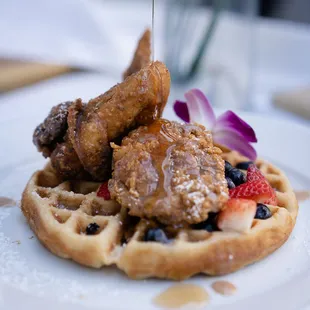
228, 167
236, 176
157, 235
92, 228
262, 212
230, 183
244, 165
209, 224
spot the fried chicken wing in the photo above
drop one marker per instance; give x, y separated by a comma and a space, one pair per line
66, 162
142, 56
52, 130
169, 171
77, 136
115, 112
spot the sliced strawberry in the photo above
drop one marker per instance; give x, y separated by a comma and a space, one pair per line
237, 215
273, 200
254, 174
259, 191
103, 191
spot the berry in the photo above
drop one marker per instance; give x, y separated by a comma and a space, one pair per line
244, 165
236, 176
259, 191
103, 191
237, 215
157, 235
230, 183
92, 229
228, 167
254, 174
273, 200
262, 212
209, 224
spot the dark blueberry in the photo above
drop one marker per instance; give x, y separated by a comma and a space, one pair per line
92, 228
230, 183
236, 176
228, 167
244, 165
209, 224
157, 235
262, 212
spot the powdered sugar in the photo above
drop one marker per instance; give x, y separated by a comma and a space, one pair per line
40, 278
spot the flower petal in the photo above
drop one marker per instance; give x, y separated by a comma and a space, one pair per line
235, 141
231, 121
200, 110
181, 110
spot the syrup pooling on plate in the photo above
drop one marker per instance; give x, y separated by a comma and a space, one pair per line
6, 202
224, 287
181, 295
302, 195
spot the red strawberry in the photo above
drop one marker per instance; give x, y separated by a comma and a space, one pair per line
273, 200
237, 215
254, 174
103, 191
259, 191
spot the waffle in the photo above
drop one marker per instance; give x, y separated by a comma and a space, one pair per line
59, 212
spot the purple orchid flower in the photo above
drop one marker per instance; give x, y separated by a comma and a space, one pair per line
228, 130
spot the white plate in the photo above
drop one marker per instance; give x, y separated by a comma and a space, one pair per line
32, 277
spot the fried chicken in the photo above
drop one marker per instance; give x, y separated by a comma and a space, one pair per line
52, 130
142, 56
90, 128
169, 171
67, 163
106, 117
77, 136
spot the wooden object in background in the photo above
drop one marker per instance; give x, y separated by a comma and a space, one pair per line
15, 74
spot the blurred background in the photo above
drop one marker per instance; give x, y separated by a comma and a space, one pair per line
244, 54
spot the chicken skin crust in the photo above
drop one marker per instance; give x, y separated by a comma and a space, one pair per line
142, 55
139, 100
169, 171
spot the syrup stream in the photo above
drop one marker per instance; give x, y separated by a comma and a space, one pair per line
153, 30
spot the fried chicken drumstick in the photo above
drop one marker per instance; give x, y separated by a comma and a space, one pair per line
139, 100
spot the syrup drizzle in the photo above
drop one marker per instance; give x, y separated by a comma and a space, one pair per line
153, 30
181, 295
161, 158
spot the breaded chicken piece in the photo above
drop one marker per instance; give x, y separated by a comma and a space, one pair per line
169, 171
140, 99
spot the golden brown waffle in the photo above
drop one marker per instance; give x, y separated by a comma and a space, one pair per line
60, 212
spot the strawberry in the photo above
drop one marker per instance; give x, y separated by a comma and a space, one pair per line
273, 200
259, 191
237, 215
103, 191
254, 174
